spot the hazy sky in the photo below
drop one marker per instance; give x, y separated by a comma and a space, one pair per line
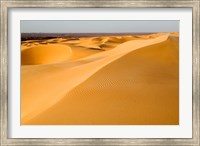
89, 26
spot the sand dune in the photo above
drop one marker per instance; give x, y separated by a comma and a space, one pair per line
44, 54
133, 83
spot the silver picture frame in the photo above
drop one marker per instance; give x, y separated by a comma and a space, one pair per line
6, 4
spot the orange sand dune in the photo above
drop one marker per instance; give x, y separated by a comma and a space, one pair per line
44, 54
134, 83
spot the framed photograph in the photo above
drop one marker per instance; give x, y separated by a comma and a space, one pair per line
100, 72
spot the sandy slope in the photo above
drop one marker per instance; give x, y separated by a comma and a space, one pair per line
134, 83
43, 54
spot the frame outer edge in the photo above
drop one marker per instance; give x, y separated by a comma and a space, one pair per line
196, 72
195, 4
4, 73
1, 73
100, 4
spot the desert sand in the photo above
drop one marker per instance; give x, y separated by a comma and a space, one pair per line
101, 80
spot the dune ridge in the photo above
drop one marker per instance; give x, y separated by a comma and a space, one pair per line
69, 77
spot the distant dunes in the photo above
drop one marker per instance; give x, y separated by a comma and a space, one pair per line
134, 80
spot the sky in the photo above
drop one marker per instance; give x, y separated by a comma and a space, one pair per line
98, 26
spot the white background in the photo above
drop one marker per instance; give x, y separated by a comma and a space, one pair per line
183, 130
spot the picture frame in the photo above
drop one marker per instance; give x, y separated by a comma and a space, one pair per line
4, 91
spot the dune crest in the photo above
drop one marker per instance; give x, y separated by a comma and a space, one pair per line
66, 77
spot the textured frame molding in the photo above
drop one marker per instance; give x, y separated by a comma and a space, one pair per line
6, 4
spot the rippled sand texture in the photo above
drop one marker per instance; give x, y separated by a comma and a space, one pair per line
106, 80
